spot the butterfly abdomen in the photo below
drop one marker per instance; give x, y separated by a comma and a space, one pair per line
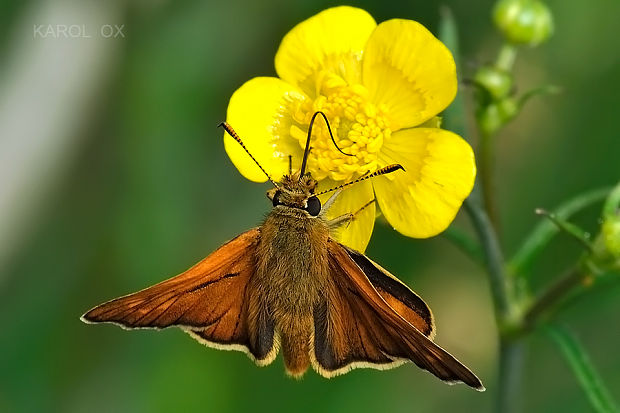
295, 340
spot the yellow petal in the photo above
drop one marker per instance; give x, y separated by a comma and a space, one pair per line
327, 44
439, 174
357, 234
409, 71
260, 113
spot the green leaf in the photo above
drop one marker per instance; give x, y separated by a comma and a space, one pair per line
538, 239
454, 115
541, 90
582, 367
612, 204
569, 228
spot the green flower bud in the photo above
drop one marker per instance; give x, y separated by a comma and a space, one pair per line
611, 235
523, 21
495, 81
606, 248
606, 252
610, 231
495, 115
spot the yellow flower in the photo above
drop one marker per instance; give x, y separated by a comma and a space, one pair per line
381, 87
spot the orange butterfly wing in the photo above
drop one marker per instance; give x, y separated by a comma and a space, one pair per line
355, 326
397, 294
209, 301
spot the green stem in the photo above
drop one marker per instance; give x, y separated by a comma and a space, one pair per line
506, 57
510, 371
487, 224
487, 182
505, 60
511, 351
494, 259
549, 298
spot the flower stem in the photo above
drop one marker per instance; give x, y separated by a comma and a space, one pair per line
511, 350
573, 278
506, 57
511, 357
487, 182
500, 284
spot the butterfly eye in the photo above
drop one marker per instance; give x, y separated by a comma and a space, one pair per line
276, 199
313, 206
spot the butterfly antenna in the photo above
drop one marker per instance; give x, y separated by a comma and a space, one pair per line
307, 150
236, 137
383, 171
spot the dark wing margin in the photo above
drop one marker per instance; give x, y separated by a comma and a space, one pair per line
398, 295
209, 301
356, 327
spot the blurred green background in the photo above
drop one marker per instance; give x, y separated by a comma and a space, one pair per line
113, 176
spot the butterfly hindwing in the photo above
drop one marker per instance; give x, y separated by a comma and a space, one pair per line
355, 326
347, 334
398, 295
208, 300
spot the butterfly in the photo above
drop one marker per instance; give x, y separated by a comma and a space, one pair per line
289, 285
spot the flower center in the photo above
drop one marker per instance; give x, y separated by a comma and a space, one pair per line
359, 128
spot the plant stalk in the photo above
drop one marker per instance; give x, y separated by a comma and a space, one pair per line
506, 57
573, 278
487, 181
500, 284
511, 351
511, 357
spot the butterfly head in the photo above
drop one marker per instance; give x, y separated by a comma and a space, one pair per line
296, 192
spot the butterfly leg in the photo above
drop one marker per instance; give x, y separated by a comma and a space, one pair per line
347, 218
340, 221
329, 202
366, 205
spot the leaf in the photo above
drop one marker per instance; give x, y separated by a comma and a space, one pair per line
582, 367
454, 115
541, 90
612, 204
569, 228
538, 239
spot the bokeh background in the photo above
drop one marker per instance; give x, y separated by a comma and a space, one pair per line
113, 176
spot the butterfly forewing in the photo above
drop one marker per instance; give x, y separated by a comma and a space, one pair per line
364, 330
208, 300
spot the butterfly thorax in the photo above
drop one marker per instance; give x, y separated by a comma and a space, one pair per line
292, 259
